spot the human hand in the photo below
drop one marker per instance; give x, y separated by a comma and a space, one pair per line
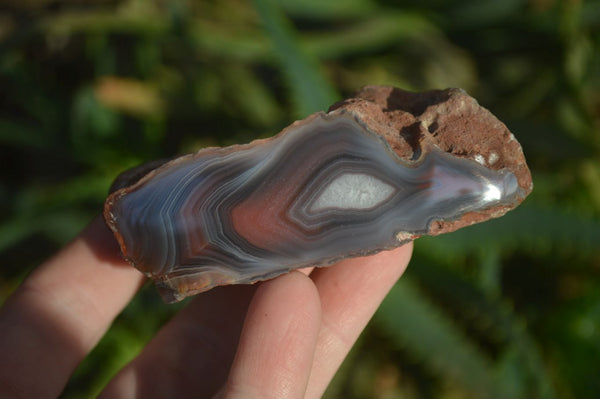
282, 338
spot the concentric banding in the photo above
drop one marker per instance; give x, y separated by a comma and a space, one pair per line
318, 192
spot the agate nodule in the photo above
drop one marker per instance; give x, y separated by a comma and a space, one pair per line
377, 170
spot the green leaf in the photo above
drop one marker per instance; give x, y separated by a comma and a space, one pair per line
60, 227
318, 9
310, 89
385, 29
493, 318
433, 339
529, 227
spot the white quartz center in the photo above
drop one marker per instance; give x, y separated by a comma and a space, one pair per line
353, 191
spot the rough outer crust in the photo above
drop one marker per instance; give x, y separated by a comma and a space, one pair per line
449, 119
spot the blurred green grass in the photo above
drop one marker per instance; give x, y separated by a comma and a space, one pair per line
510, 308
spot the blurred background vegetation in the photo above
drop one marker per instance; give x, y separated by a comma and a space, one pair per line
506, 309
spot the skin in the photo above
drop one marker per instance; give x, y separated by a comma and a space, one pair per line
283, 338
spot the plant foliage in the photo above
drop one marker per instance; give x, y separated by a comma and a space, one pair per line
507, 309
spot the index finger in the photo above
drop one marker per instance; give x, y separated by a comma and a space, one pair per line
61, 311
350, 292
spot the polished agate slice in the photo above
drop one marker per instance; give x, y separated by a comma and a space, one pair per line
373, 173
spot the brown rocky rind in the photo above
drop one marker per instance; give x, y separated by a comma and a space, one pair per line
450, 120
